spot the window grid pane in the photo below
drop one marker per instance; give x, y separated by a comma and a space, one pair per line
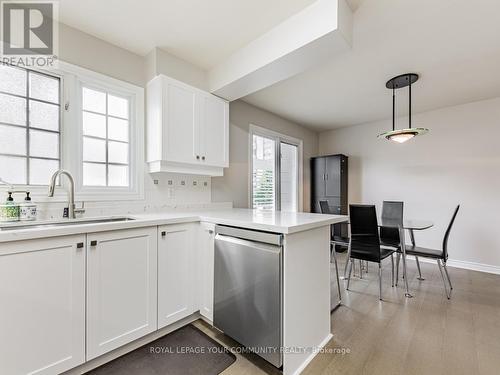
106, 122
21, 103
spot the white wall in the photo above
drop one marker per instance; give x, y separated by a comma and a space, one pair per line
457, 162
235, 183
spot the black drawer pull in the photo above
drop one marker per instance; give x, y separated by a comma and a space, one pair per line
163, 234
93, 243
79, 245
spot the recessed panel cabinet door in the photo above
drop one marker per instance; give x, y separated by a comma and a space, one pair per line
176, 273
181, 124
42, 305
214, 130
206, 272
121, 288
332, 176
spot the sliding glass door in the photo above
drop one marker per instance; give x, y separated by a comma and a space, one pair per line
275, 172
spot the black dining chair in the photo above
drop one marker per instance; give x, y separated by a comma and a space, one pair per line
389, 237
441, 256
365, 241
325, 209
336, 240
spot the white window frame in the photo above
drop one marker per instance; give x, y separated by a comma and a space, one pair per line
75, 78
278, 138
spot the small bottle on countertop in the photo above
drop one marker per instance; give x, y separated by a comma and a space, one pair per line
9, 211
27, 209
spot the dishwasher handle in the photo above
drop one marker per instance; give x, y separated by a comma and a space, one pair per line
250, 235
258, 246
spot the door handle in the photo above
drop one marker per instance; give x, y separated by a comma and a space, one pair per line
93, 243
163, 234
79, 245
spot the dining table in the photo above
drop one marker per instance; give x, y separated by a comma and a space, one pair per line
407, 225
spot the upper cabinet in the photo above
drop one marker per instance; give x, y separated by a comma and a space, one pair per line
187, 129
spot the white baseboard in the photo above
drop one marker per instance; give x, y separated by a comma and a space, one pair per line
464, 265
314, 354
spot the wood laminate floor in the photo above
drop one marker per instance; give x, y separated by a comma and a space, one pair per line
427, 334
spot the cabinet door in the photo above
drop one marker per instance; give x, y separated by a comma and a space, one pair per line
206, 272
214, 130
318, 183
42, 305
181, 122
121, 288
332, 176
176, 273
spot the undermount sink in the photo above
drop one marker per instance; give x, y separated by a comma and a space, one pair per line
57, 224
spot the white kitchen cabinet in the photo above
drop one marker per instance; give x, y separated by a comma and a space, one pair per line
176, 273
121, 288
42, 305
206, 245
187, 129
214, 134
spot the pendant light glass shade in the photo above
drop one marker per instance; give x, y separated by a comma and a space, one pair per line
402, 135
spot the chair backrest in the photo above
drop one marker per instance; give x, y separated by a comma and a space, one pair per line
447, 234
392, 210
324, 207
364, 229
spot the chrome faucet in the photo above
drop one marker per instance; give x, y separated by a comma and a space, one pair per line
71, 193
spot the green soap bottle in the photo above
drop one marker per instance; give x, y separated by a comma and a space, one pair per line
10, 210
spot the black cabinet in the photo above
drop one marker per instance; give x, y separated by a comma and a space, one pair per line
329, 183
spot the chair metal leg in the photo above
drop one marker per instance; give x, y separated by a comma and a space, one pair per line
419, 272
366, 266
448, 295
350, 262
380, 281
392, 269
398, 257
360, 269
347, 263
334, 253
447, 275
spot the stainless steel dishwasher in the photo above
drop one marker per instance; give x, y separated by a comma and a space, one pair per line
248, 289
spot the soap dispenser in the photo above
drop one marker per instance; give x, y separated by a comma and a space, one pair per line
27, 209
9, 211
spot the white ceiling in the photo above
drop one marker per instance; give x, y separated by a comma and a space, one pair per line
203, 32
453, 44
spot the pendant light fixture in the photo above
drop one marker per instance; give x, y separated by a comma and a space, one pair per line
402, 135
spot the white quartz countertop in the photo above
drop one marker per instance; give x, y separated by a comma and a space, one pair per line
270, 221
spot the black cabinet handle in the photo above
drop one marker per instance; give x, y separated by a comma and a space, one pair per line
197, 157
79, 245
163, 234
202, 158
93, 243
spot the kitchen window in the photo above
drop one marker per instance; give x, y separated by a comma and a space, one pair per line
106, 148
30, 125
275, 171
71, 118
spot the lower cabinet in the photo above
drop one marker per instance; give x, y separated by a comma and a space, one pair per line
176, 273
206, 269
121, 288
42, 305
